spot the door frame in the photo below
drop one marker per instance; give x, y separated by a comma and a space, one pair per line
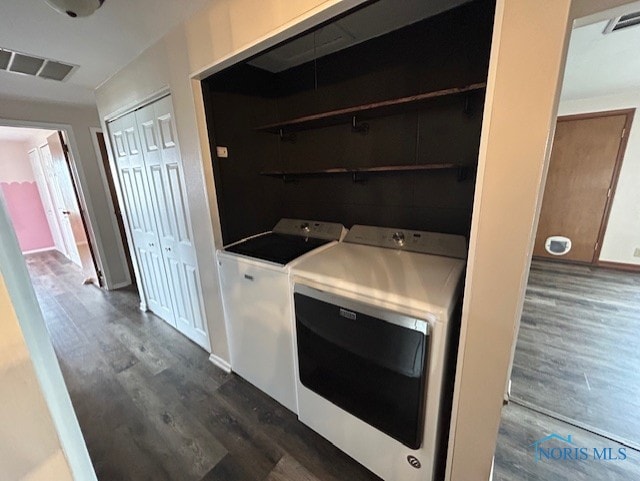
83, 192
622, 147
82, 212
112, 208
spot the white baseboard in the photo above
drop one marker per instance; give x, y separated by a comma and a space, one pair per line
143, 307
221, 363
44, 249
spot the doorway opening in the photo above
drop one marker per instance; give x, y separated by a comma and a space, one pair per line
43, 198
574, 380
100, 146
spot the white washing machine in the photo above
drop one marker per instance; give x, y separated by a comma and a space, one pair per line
372, 330
254, 280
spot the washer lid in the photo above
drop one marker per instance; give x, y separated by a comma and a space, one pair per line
416, 283
278, 248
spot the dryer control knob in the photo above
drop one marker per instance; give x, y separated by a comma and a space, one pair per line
305, 227
398, 238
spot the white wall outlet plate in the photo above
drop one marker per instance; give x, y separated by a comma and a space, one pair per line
636, 253
222, 152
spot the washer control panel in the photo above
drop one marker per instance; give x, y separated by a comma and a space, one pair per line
310, 228
448, 245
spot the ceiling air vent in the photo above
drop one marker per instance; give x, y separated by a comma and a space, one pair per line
25, 64
55, 70
22, 63
5, 57
624, 21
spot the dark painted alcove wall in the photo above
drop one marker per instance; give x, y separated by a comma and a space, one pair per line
449, 50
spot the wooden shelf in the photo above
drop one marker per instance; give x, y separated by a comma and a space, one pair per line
356, 172
347, 115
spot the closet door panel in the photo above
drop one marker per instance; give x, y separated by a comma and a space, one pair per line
146, 242
192, 315
167, 188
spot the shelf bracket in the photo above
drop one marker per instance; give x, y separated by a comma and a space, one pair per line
358, 178
359, 127
287, 137
463, 173
288, 179
467, 104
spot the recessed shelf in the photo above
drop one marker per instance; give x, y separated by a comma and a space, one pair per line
385, 107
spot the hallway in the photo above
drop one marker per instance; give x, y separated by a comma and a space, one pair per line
152, 407
578, 340
575, 365
515, 460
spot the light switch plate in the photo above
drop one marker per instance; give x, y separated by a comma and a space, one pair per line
222, 152
636, 253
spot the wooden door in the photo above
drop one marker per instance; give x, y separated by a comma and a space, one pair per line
72, 213
168, 194
47, 200
68, 242
584, 166
139, 212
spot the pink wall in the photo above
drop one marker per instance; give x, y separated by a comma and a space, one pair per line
22, 198
27, 215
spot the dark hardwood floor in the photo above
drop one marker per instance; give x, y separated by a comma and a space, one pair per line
578, 355
515, 457
152, 407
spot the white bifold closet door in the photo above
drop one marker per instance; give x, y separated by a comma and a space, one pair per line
152, 186
139, 211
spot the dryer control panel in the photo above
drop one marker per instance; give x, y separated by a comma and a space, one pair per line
310, 228
435, 243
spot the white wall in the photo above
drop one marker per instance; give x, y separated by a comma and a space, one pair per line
622, 233
40, 439
518, 125
80, 118
14, 161
29, 445
40, 139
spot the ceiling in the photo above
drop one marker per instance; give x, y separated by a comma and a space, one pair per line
599, 64
20, 134
100, 44
377, 19
120, 30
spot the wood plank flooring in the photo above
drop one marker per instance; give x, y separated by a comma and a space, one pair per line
515, 457
152, 407
578, 354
